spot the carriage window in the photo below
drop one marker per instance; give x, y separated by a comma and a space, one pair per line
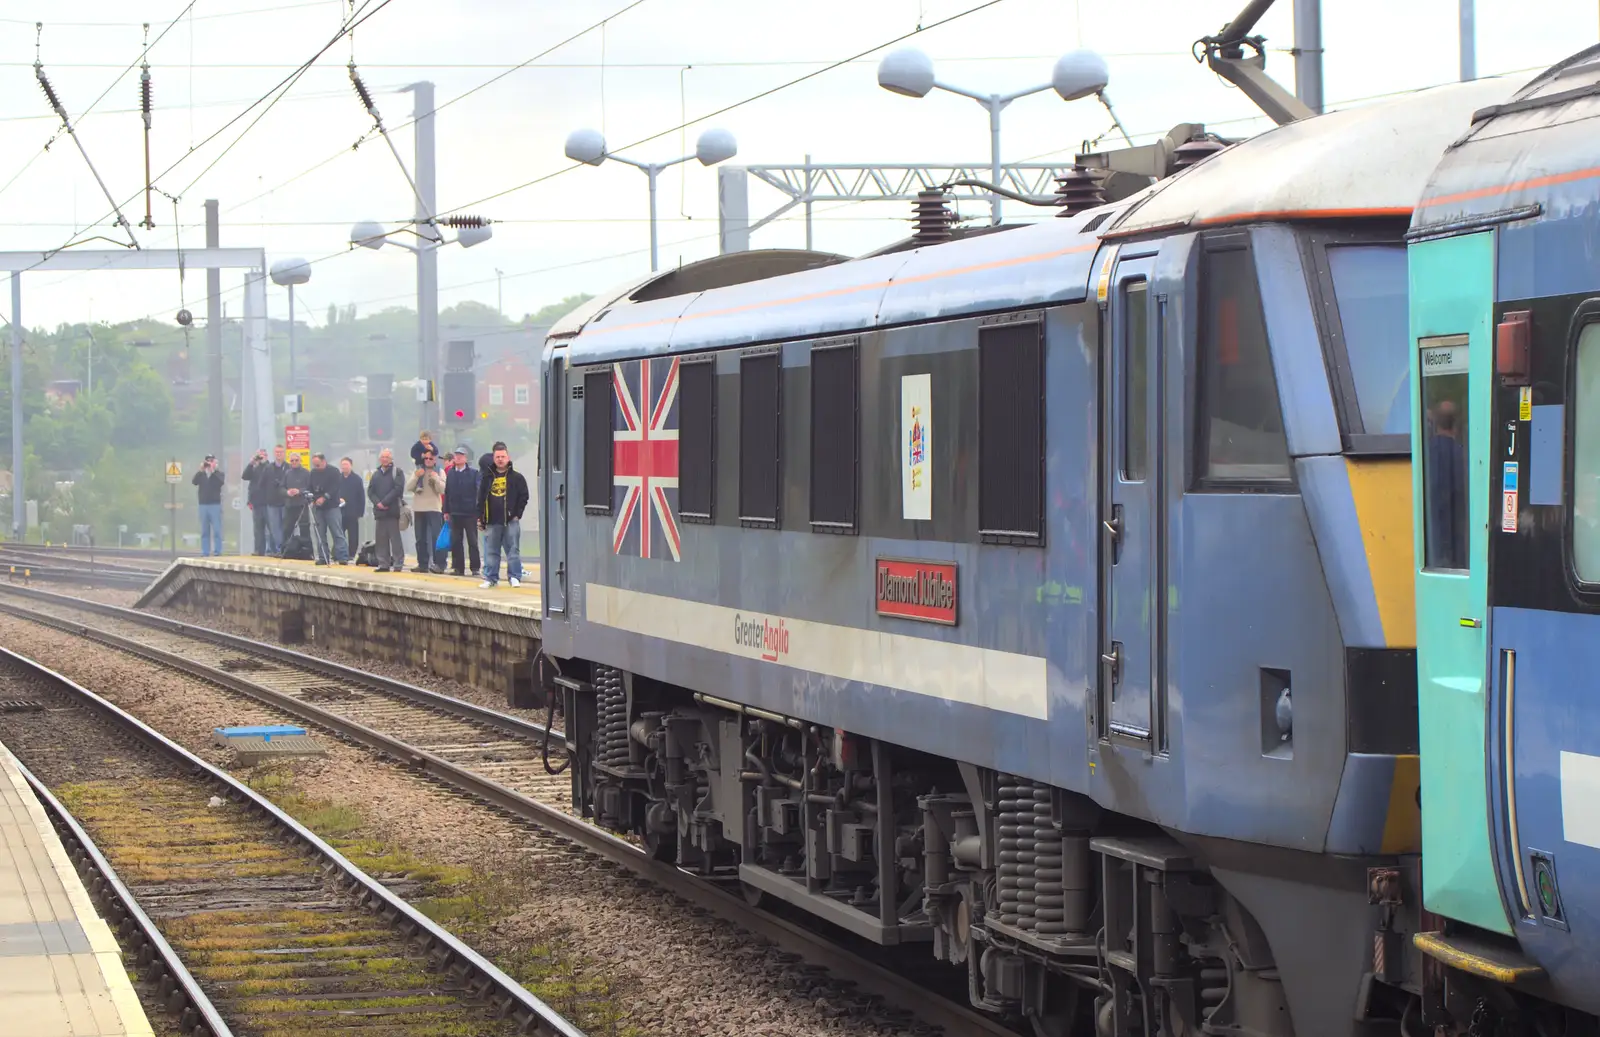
834, 435
1586, 457
1369, 284
1445, 451
1135, 382
1241, 427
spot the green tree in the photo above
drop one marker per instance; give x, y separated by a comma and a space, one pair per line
141, 405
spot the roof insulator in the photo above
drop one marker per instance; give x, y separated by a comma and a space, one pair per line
932, 220
1079, 191
1194, 152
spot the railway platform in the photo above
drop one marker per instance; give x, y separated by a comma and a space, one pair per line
445, 625
61, 971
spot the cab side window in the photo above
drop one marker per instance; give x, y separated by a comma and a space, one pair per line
1240, 442
1586, 456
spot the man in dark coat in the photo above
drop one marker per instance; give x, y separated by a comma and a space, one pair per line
263, 480
353, 498
275, 500
502, 497
386, 490
326, 518
208, 480
461, 505
296, 501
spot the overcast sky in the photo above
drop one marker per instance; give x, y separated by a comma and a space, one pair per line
657, 64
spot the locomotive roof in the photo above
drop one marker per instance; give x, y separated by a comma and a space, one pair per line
1370, 161
1535, 148
1367, 161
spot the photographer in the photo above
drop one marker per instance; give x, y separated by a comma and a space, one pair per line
326, 485
427, 510
208, 480
263, 479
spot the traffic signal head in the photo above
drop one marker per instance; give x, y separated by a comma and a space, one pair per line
380, 419
460, 397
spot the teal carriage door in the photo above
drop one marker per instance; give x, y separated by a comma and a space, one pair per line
1131, 505
1452, 294
553, 565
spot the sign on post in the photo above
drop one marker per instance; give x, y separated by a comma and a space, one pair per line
174, 472
294, 403
297, 445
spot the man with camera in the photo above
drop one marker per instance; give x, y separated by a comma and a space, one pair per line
263, 479
208, 480
326, 484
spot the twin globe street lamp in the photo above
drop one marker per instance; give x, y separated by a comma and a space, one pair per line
1079, 74
286, 273
589, 147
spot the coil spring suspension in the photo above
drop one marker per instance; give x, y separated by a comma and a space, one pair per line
611, 705
1213, 989
1031, 894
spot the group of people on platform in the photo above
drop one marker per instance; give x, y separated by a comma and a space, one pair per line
291, 505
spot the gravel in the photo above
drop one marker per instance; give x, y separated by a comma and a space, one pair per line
670, 971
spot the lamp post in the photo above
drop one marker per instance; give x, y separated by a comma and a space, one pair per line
500, 292
589, 147
288, 273
470, 231
1082, 73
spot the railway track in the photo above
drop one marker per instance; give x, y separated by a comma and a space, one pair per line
241, 920
53, 565
492, 756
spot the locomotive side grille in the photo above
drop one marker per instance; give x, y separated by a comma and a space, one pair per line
834, 436
597, 445
697, 439
759, 425
1011, 432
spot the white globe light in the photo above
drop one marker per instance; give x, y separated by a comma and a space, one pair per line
586, 146
290, 271
715, 146
367, 234
1082, 73
470, 236
908, 72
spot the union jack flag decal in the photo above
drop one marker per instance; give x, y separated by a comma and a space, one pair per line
644, 433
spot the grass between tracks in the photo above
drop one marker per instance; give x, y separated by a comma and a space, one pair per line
482, 905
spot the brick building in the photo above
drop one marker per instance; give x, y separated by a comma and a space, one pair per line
508, 391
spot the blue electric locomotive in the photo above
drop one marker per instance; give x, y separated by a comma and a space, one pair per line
1505, 319
1044, 596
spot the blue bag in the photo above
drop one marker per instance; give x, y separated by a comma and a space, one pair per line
443, 541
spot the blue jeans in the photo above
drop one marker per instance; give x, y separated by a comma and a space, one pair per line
210, 529
274, 528
323, 522
507, 538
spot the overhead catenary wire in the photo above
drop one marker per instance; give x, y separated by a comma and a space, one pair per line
269, 99
66, 124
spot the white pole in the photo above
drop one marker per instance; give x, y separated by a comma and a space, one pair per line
1469, 42
17, 513
650, 172
995, 105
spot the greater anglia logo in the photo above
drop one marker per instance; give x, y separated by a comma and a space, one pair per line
758, 632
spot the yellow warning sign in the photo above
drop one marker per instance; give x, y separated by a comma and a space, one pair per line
1525, 403
174, 471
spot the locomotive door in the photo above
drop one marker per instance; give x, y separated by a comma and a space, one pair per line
554, 518
1131, 504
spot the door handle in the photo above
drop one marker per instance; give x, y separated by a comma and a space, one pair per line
1113, 659
1113, 528
561, 495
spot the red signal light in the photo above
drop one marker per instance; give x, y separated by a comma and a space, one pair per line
461, 413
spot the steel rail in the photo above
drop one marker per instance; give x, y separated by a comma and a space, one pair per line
187, 1000
67, 574
448, 952
814, 948
492, 718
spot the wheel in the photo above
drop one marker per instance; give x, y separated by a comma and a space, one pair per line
753, 896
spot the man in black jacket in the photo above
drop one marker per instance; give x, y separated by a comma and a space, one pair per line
276, 499
296, 502
263, 480
502, 498
386, 491
325, 515
208, 480
354, 497
461, 505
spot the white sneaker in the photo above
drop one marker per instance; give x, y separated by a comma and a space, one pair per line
485, 585
515, 582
